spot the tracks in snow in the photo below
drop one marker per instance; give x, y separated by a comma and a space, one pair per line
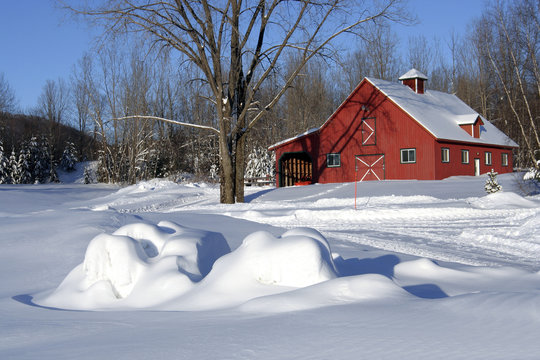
453, 233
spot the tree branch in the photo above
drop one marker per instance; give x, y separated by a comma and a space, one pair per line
149, 117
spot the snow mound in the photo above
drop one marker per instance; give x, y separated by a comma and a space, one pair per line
261, 266
300, 257
77, 175
169, 267
502, 199
149, 185
139, 265
350, 289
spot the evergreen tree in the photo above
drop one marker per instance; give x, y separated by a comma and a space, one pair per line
492, 186
39, 160
103, 172
260, 164
4, 170
90, 176
69, 157
14, 171
53, 175
23, 167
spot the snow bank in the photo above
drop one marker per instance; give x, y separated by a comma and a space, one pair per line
502, 200
426, 278
262, 265
339, 291
139, 265
300, 257
167, 266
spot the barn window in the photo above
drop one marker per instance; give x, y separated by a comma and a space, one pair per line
464, 156
333, 160
369, 131
504, 159
445, 155
488, 158
408, 156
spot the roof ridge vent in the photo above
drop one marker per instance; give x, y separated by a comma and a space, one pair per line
415, 80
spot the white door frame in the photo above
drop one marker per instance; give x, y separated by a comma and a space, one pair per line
476, 167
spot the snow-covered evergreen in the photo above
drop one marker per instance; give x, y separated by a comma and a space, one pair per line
90, 176
4, 169
14, 170
39, 160
69, 157
492, 186
23, 167
214, 172
533, 173
260, 163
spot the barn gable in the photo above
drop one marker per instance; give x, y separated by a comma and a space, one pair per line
441, 114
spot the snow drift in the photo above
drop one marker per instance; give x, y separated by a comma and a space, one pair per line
139, 265
173, 267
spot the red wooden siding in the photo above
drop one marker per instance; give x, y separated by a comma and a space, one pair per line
394, 130
455, 167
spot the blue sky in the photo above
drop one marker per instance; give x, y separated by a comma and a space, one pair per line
40, 42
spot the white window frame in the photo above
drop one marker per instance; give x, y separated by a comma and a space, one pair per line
504, 159
408, 152
445, 155
465, 156
331, 160
488, 157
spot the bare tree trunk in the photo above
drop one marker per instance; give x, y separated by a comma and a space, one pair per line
239, 168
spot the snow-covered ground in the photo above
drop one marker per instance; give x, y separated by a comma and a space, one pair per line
419, 270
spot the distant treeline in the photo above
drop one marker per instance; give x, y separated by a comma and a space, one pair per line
493, 67
32, 149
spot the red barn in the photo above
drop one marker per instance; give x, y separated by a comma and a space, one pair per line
388, 130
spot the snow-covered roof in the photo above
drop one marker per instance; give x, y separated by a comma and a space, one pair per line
441, 114
413, 74
466, 119
305, 133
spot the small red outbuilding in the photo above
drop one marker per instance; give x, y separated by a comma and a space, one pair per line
388, 130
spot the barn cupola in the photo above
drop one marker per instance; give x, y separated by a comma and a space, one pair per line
415, 80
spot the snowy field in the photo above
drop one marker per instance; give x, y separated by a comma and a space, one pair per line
158, 270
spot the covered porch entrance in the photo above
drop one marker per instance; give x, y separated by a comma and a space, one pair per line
295, 168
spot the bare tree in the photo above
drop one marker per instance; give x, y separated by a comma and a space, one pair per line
53, 101
308, 101
375, 55
508, 36
236, 46
82, 101
7, 96
382, 52
418, 54
53, 105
